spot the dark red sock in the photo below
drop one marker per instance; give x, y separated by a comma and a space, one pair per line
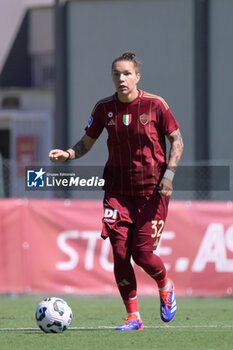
162, 283
123, 270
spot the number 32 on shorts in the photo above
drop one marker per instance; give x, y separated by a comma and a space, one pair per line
158, 227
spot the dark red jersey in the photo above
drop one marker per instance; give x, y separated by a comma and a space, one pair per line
136, 141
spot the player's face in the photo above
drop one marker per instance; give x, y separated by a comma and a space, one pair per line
125, 79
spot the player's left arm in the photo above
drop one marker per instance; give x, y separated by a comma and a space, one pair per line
175, 153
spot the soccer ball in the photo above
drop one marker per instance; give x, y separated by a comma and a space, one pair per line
53, 315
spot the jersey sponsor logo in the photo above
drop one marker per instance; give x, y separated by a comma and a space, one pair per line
144, 118
111, 122
110, 215
127, 118
110, 114
90, 120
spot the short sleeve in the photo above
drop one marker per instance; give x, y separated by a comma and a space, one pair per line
95, 125
168, 122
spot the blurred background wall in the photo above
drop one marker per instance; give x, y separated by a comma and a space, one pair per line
99, 31
11, 14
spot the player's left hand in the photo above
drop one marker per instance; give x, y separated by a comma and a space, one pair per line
166, 187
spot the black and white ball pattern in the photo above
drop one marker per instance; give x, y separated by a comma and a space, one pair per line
53, 315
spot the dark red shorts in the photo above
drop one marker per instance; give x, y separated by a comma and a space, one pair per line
137, 220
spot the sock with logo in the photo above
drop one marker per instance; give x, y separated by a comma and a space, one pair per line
123, 271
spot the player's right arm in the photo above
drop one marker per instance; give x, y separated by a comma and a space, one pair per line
77, 151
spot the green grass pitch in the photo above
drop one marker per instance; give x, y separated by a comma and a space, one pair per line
200, 324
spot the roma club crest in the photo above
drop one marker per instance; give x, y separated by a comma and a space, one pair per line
144, 118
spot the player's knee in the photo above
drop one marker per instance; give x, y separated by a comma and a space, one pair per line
139, 257
120, 253
119, 257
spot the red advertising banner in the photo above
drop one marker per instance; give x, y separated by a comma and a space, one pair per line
55, 246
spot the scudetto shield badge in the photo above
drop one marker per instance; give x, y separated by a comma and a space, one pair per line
144, 118
127, 118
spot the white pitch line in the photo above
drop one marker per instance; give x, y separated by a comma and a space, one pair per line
156, 327
109, 327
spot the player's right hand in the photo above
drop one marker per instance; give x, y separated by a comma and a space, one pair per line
58, 155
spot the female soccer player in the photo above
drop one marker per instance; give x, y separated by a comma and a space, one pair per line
138, 181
